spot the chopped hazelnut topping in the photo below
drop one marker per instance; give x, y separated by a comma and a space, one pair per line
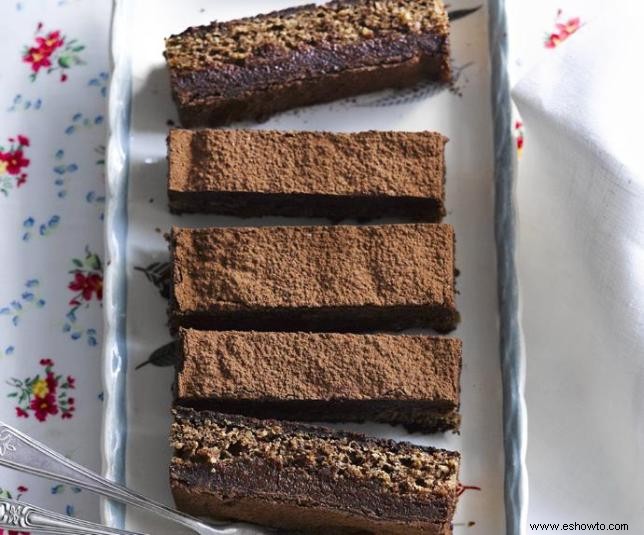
235, 41
216, 443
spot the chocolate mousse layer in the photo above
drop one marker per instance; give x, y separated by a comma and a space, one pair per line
409, 380
363, 175
318, 278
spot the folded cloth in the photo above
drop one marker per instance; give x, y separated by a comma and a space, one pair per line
581, 269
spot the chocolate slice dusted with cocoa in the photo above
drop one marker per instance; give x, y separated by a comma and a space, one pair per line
297, 476
318, 278
325, 377
362, 175
253, 67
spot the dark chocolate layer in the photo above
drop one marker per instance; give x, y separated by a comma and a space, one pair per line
260, 104
343, 480
335, 208
415, 416
340, 319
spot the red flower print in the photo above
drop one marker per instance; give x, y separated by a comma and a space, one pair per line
14, 161
52, 51
68, 409
13, 532
40, 56
52, 383
97, 283
37, 58
44, 394
22, 489
518, 127
12, 164
87, 282
44, 406
50, 42
88, 285
562, 31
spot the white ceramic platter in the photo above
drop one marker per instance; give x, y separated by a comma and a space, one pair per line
137, 404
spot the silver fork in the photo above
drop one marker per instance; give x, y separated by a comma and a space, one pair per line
20, 452
16, 516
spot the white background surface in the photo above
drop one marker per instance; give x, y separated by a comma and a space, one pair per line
581, 261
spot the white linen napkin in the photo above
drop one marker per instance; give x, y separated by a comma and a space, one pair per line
581, 269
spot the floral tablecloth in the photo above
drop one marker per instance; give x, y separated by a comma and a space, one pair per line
53, 85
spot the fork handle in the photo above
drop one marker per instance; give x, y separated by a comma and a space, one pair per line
20, 516
22, 453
